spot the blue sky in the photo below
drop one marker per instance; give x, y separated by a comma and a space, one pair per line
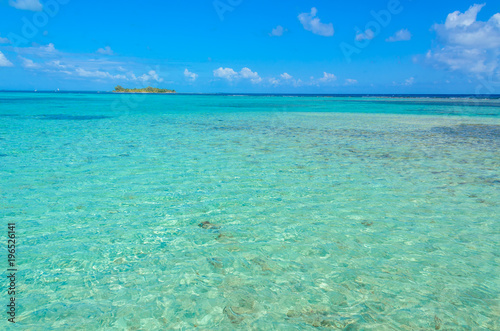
296, 46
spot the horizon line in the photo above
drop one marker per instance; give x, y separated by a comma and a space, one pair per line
256, 93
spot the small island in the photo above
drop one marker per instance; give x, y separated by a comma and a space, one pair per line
149, 89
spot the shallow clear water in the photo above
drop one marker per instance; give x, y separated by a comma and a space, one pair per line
338, 213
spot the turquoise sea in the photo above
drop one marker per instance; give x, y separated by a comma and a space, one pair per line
326, 213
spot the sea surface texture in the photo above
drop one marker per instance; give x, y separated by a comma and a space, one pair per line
183, 212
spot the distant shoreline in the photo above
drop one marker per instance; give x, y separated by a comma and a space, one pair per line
451, 97
143, 92
149, 89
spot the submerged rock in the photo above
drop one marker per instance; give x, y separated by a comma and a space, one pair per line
208, 225
233, 317
217, 263
437, 323
119, 260
481, 131
262, 263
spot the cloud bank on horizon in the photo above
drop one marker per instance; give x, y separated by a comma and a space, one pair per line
299, 52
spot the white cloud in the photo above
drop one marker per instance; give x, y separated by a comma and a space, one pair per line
367, 35
230, 74
4, 62
298, 82
33, 5
285, 79
249, 74
464, 30
97, 74
313, 24
409, 81
29, 64
475, 61
274, 81
89, 71
401, 35
49, 48
278, 31
190, 75
151, 75
226, 73
468, 18
39, 51
57, 64
327, 78
4, 40
50, 60
105, 51
350, 81
466, 44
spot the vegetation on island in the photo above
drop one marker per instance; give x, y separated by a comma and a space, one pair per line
148, 89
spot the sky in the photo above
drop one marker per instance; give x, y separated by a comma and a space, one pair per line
252, 46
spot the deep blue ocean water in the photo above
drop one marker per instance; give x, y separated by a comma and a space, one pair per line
220, 212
